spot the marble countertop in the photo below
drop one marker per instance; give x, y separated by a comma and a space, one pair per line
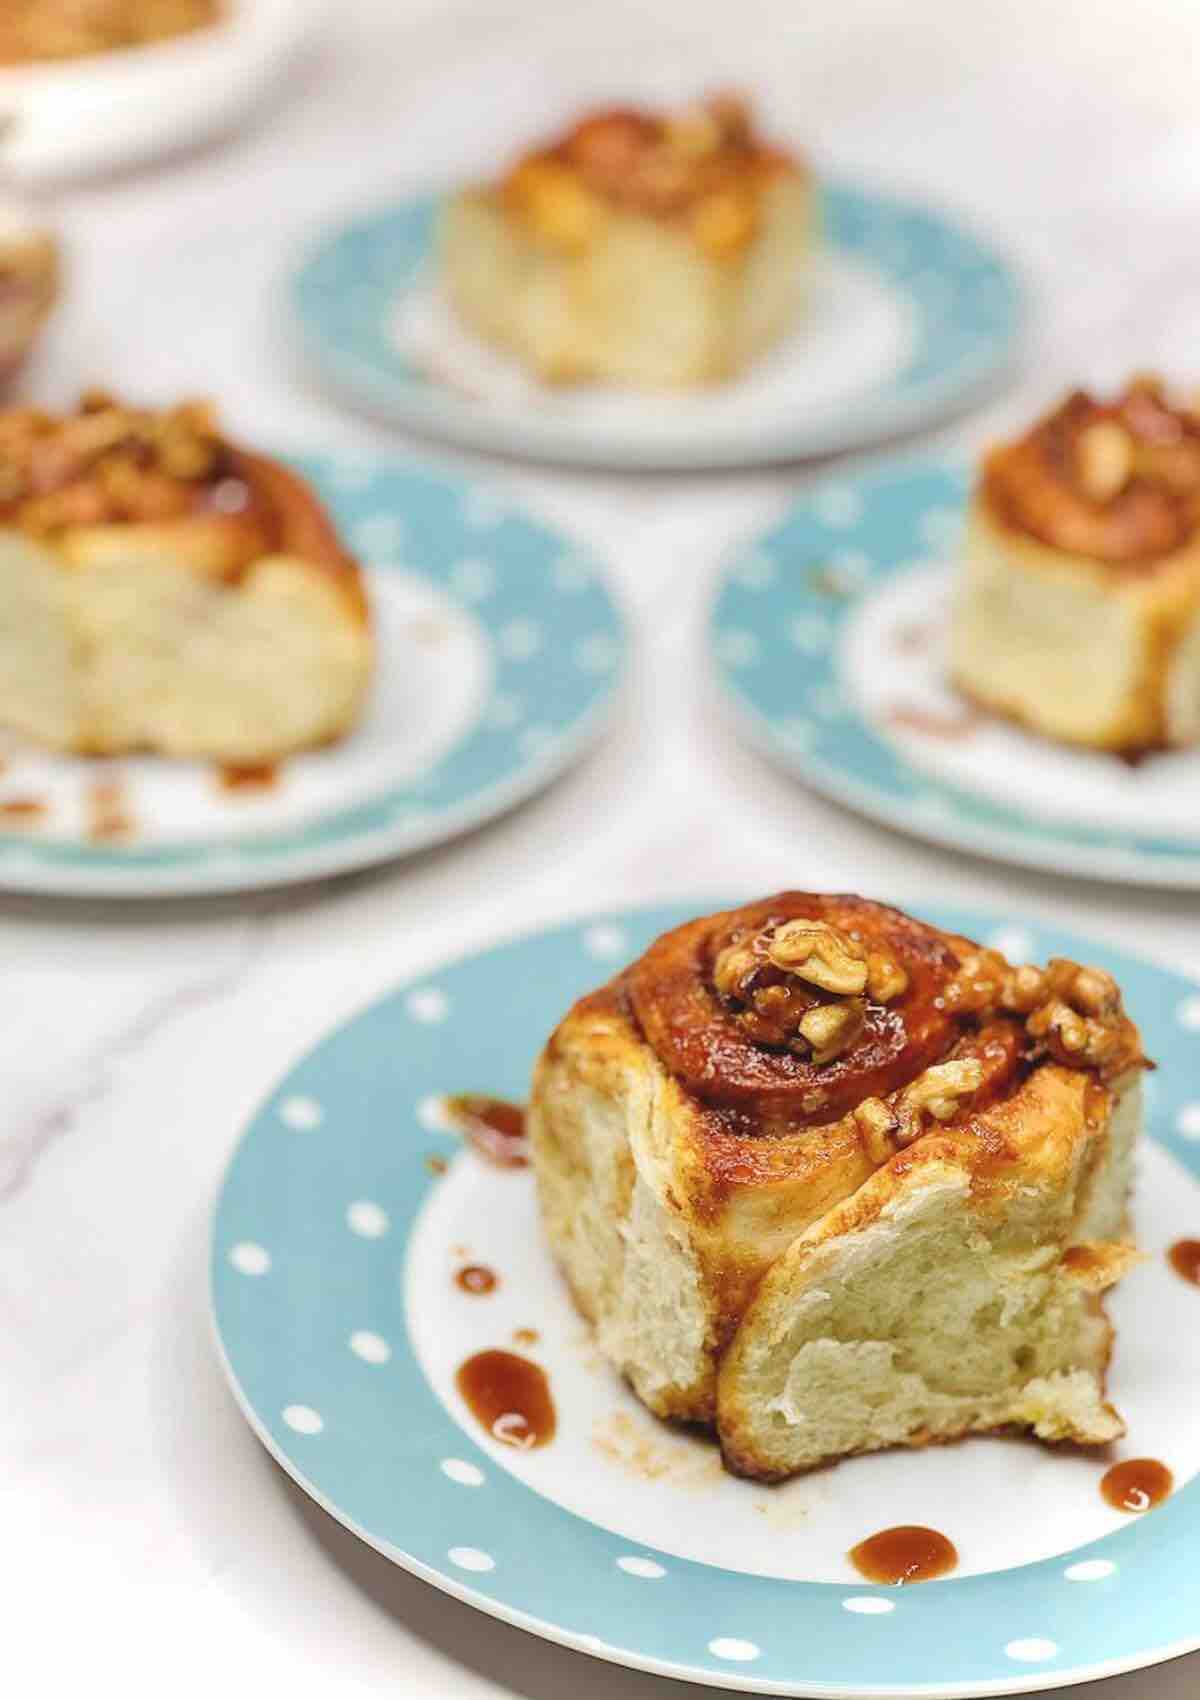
145, 1532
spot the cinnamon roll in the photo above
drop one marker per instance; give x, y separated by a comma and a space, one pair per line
28, 283
36, 30
1079, 608
828, 1179
648, 250
164, 590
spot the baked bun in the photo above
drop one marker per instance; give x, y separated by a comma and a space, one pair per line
829, 1180
641, 250
1079, 608
162, 590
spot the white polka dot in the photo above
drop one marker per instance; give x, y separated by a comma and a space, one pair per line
427, 1003
797, 734
470, 1558
519, 639
868, 1605
1188, 1013
473, 580
503, 711
940, 529
301, 1114
379, 535
1187, 1122
483, 509
838, 506
826, 700
597, 654
729, 1647
458, 1470
644, 1567
755, 572
1090, 1570
604, 940
1013, 942
371, 1348
572, 574
249, 1259
1033, 1651
303, 1419
737, 648
367, 1219
535, 740
433, 1114
809, 634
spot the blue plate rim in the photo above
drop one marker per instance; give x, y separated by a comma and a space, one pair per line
867, 418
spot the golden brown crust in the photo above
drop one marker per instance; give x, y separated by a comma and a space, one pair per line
91, 483
1114, 481
703, 169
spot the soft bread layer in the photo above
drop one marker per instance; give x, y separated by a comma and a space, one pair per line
132, 649
1076, 649
831, 1307
923, 1309
642, 305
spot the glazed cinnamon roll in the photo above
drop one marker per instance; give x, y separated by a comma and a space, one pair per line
1079, 607
642, 249
162, 589
829, 1179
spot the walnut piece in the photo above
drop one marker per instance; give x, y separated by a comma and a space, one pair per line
885, 978
878, 1125
820, 954
832, 1028
1104, 460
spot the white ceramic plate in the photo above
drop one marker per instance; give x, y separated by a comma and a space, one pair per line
113, 110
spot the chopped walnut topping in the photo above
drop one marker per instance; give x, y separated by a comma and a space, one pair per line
1105, 459
821, 954
940, 1092
1073, 1013
878, 1125
105, 463
832, 1028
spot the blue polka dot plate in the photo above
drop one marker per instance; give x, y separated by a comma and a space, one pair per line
348, 1214
828, 637
499, 655
909, 315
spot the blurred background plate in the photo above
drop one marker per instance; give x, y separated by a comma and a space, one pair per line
499, 653
109, 111
828, 637
348, 1209
912, 316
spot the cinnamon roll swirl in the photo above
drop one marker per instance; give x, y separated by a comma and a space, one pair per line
1079, 607
829, 1179
162, 589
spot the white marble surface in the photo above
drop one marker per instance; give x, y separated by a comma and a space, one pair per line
143, 1533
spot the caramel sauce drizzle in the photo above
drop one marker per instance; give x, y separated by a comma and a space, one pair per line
510, 1397
1184, 1258
1137, 1485
493, 1127
908, 1553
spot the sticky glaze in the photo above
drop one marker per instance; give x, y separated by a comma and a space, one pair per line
1138, 1484
477, 1278
510, 1397
493, 1127
1184, 1258
905, 1554
249, 776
